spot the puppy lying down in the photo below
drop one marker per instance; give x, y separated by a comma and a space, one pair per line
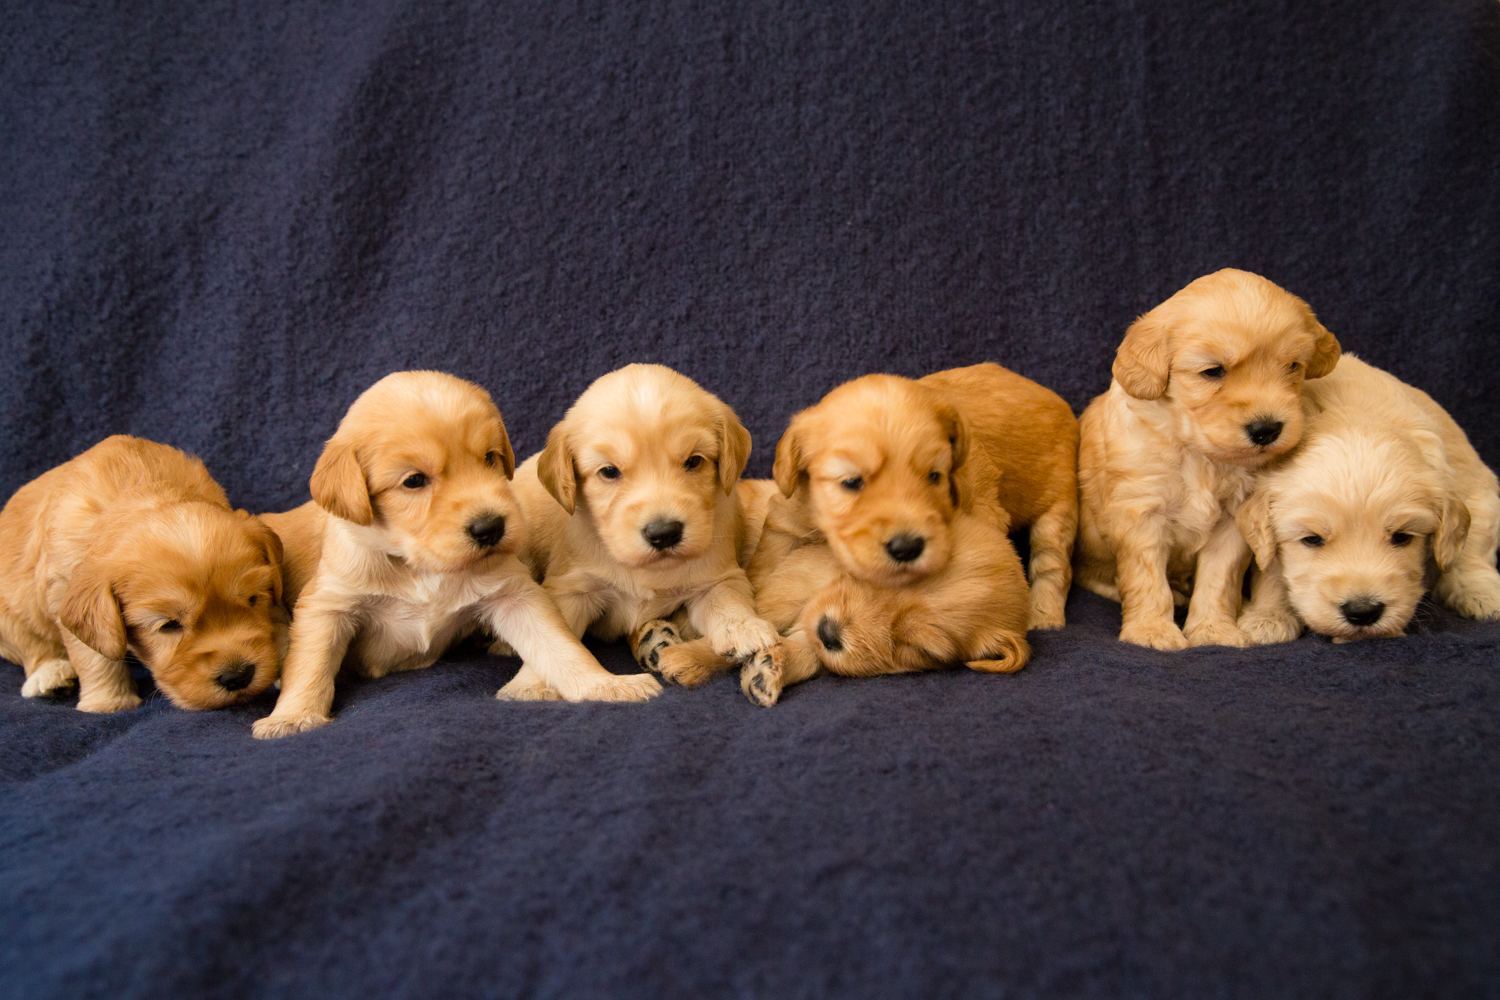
408, 545
974, 610
133, 546
1384, 498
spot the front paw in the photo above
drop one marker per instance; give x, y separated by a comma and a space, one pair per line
1264, 629
106, 703
274, 727
1479, 600
760, 678
682, 665
1155, 634
51, 679
626, 687
1216, 633
527, 688
738, 640
1045, 619
653, 639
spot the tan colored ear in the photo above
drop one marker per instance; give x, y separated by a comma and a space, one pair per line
338, 484
790, 463
960, 486
270, 543
556, 471
507, 454
1002, 653
1143, 364
1254, 520
1326, 350
90, 611
734, 449
1453, 531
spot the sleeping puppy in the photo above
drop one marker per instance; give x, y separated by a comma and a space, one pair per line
1384, 494
132, 546
408, 546
634, 514
1207, 387
974, 610
882, 464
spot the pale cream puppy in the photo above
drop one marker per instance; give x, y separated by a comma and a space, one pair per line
1207, 388
1384, 494
633, 515
409, 545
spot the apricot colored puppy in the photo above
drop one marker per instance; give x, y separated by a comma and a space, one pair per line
881, 465
408, 545
1383, 494
132, 546
1207, 388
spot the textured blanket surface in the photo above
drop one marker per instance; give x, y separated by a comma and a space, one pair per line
219, 222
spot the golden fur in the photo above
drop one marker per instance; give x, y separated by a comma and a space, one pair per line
882, 464
645, 446
1384, 493
1166, 455
398, 555
133, 546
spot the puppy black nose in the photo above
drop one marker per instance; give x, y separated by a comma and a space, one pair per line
905, 548
828, 635
1362, 610
237, 676
487, 530
1263, 430
663, 534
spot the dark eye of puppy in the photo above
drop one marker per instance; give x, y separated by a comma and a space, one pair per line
491, 457
853, 484
1294, 366
253, 599
1313, 541
934, 477
609, 472
1400, 538
1216, 372
170, 625
415, 481
693, 462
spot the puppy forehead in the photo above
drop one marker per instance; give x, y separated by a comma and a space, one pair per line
644, 410
877, 419
184, 553
1361, 477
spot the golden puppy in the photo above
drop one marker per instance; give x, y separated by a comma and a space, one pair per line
974, 610
882, 463
1207, 387
1384, 489
633, 514
133, 546
408, 546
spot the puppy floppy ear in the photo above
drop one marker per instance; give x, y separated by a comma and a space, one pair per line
1143, 364
1326, 349
956, 429
338, 484
1254, 520
790, 462
555, 469
91, 612
507, 454
734, 449
1453, 531
270, 543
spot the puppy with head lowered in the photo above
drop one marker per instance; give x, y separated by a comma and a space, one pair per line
132, 546
880, 466
633, 514
1207, 388
408, 545
1383, 497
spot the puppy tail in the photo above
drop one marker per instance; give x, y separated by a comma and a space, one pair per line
1005, 655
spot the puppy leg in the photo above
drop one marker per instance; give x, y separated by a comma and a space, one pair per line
1268, 617
321, 631
104, 685
648, 642
527, 685
1217, 586
1145, 595
1471, 586
49, 679
692, 663
1051, 568
45, 659
725, 615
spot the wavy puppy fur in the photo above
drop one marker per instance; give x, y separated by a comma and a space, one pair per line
1207, 388
1384, 495
409, 544
132, 546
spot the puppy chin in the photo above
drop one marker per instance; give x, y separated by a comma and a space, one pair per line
1328, 621
463, 559
201, 694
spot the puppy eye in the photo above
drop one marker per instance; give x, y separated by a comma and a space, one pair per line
934, 477
170, 625
491, 457
1313, 541
1217, 371
1400, 538
415, 481
853, 484
693, 462
609, 472
1294, 366
253, 599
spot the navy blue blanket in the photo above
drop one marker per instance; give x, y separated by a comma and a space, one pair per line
220, 222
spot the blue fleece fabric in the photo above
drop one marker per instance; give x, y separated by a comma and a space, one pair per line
219, 222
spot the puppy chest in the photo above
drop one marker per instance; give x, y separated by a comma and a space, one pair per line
396, 634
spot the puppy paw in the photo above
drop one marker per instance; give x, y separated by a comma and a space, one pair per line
525, 688
1156, 634
1216, 633
681, 665
1046, 619
51, 679
274, 727
739, 640
501, 648
760, 678
651, 640
1266, 629
627, 687
1479, 601
107, 703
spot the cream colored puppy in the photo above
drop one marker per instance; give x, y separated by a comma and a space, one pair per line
408, 546
633, 515
1207, 387
1384, 490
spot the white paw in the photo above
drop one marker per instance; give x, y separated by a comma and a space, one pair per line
1266, 629
501, 648
1045, 619
621, 687
50, 679
760, 679
1156, 634
655, 637
105, 704
524, 688
274, 727
1478, 599
1216, 633
738, 640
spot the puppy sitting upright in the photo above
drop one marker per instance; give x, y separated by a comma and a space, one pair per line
1207, 387
133, 546
407, 547
633, 515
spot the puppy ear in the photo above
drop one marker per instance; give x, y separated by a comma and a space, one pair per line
1254, 520
734, 449
1001, 653
90, 611
1326, 349
270, 543
338, 484
507, 454
790, 464
1453, 531
960, 486
1143, 364
556, 471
